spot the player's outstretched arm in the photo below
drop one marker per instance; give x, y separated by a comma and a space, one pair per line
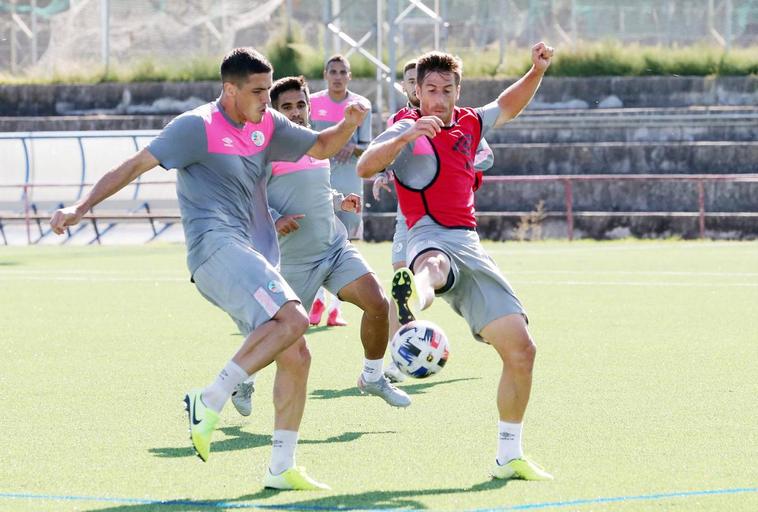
334, 138
516, 97
381, 153
105, 187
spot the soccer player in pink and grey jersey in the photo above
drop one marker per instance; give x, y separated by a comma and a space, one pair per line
432, 152
315, 249
220, 151
327, 108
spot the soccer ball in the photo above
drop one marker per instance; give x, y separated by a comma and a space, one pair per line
420, 349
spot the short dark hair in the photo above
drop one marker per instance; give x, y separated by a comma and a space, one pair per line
288, 83
438, 62
411, 64
337, 58
240, 63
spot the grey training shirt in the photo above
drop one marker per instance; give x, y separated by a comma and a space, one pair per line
221, 182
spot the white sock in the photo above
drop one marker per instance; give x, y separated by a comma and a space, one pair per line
320, 295
216, 395
283, 444
372, 369
334, 303
251, 378
509, 442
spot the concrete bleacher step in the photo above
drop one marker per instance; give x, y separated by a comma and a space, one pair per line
84, 123
637, 195
496, 226
626, 158
631, 125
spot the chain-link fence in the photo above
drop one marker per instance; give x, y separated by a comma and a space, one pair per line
45, 37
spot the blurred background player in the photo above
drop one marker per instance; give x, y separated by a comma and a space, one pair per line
315, 251
484, 160
327, 108
432, 153
220, 151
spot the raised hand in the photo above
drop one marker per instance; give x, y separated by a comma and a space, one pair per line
355, 113
541, 55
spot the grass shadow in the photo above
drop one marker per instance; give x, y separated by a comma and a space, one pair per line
320, 328
370, 500
241, 440
311, 330
412, 389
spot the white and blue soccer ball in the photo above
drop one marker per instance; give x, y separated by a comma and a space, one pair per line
420, 349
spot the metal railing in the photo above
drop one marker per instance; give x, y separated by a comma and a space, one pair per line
30, 216
699, 179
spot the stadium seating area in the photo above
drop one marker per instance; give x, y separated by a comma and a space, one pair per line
48, 169
631, 171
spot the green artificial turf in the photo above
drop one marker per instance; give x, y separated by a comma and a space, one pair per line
645, 388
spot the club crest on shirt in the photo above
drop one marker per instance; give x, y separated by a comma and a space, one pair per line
274, 286
258, 138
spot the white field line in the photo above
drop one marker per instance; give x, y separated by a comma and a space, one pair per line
166, 279
632, 247
638, 283
78, 271
95, 279
147, 274
632, 273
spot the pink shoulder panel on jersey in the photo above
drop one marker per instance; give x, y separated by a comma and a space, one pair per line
306, 163
324, 109
227, 139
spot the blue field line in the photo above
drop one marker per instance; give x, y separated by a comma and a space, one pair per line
618, 499
232, 505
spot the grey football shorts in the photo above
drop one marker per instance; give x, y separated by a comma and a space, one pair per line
334, 272
476, 289
240, 281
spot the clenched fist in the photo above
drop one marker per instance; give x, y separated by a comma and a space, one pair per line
355, 113
541, 55
63, 218
351, 203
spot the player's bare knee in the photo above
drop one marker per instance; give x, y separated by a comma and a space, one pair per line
515, 347
529, 354
437, 265
521, 353
293, 320
378, 305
